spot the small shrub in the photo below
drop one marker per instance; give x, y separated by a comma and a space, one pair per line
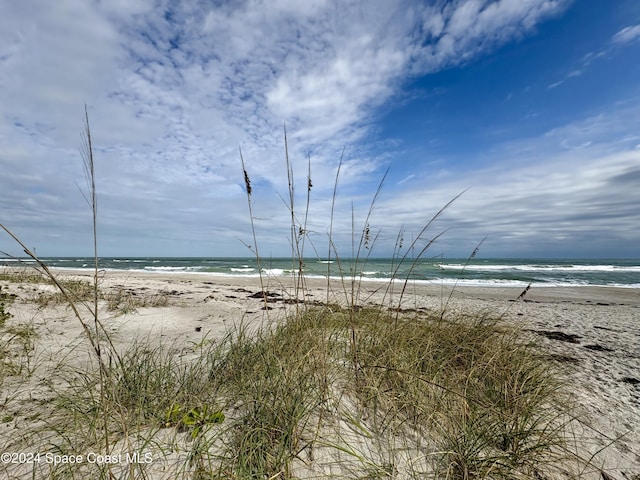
79, 291
6, 299
195, 418
124, 301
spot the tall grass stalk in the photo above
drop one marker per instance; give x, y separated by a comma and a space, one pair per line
99, 331
86, 151
415, 258
365, 245
331, 246
464, 267
254, 247
298, 232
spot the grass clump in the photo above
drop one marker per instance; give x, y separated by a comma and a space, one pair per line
467, 397
17, 340
80, 291
118, 299
143, 387
6, 299
278, 380
124, 301
492, 405
153, 401
20, 275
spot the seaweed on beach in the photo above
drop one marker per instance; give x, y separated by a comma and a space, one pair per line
560, 336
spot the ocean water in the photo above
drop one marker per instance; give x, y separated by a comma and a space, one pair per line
478, 272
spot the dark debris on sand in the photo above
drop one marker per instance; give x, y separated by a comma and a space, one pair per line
558, 335
598, 348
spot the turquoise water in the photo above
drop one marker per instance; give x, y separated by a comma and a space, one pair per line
481, 272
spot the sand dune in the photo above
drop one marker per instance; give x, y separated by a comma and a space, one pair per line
593, 331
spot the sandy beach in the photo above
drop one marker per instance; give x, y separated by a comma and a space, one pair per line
593, 332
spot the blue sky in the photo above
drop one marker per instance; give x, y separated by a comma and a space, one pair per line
531, 105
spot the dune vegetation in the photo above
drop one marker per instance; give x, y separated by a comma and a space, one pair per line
328, 389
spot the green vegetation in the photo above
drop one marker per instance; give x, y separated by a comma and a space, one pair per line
17, 344
432, 397
22, 275
335, 390
79, 291
5, 301
117, 299
124, 301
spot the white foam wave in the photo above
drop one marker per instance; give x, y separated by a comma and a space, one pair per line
281, 272
541, 268
172, 269
276, 272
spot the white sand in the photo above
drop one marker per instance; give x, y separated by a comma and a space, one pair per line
602, 324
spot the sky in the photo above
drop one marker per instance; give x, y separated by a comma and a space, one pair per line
530, 109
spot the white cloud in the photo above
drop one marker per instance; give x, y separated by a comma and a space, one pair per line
61, 52
627, 34
621, 39
175, 87
320, 65
571, 191
466, 28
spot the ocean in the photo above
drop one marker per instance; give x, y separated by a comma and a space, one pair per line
449, 271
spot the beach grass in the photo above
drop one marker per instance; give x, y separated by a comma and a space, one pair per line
117, 299
125, 301
461, 397
5, 301
331, 389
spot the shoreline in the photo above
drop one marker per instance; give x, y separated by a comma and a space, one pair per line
583, 294
429, 286
488, 273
